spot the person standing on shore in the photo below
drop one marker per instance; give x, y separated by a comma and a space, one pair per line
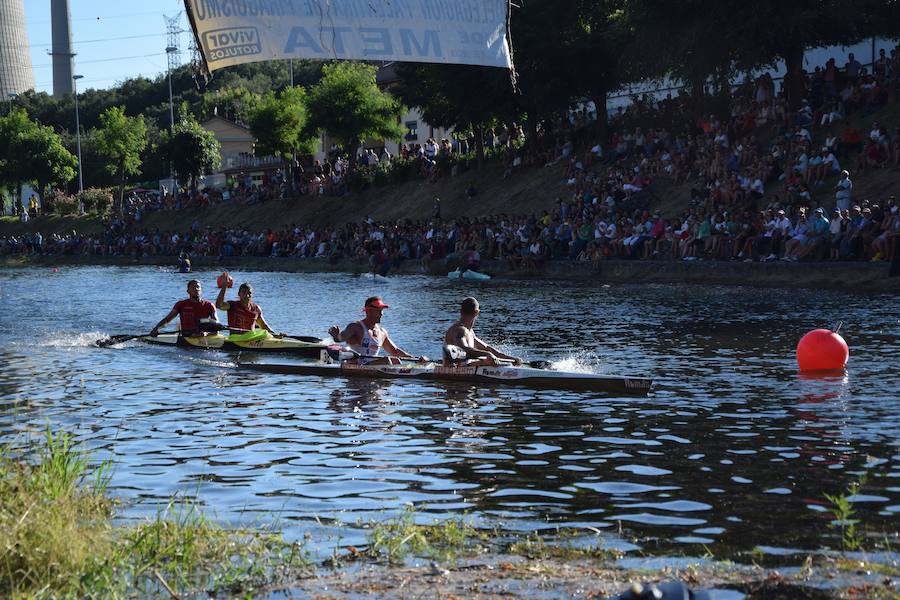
191, 311
843, 191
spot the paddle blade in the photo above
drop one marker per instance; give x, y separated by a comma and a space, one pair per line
116, 339
540, 364
307, 338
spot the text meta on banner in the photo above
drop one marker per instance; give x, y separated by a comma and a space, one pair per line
232, 32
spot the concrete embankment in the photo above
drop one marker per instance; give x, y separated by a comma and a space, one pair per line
851, 276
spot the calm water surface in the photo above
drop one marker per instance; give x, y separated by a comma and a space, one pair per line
732, 449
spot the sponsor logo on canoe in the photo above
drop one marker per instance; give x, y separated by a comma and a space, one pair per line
462, 371
387, 369
636, 384
500, 373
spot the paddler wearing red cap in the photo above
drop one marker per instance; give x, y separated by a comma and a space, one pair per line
367, 337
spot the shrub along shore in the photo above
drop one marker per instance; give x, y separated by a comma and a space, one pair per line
60, 541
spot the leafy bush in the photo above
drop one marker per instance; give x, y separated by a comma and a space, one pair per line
357, 180
96, 200
403, 170
60, 203
381, 174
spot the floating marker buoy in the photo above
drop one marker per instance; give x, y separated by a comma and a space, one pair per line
822, 350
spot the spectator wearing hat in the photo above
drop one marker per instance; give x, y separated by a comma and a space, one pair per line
818, 235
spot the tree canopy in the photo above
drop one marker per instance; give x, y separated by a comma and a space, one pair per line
348, 104
120, 140
191, 149
277, 124
32, 153
566, 51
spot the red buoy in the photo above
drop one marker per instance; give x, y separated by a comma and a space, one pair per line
822, 350
223, 280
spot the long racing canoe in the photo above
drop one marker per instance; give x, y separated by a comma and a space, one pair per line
504, 375
305, 347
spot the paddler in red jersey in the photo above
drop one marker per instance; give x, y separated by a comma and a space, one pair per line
462, 348
191, 311
243, 315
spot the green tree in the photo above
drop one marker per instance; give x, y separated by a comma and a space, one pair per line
120, 140
278, 123
235, 104
50, 162
603, 34
191, 149
702, 40
32, 153
349, 106
443, 93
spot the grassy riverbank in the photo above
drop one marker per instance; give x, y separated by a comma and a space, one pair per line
61, 541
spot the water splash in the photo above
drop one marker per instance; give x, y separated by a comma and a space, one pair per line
61, 339
580, 361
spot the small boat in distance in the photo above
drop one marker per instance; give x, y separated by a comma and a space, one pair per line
468, 274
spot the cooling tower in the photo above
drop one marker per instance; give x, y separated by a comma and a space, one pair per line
63, 57
16, 75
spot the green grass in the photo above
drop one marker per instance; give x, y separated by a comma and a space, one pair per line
562, 547
395, 539
59, 542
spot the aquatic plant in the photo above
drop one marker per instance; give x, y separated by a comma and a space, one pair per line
566, 544
843, 512
396, 538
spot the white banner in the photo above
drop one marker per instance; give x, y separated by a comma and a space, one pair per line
232, 32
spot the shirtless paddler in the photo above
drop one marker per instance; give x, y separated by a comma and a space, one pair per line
463, 348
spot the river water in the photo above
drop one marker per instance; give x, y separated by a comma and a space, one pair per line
732, 452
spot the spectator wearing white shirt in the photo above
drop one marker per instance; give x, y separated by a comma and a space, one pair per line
843, 191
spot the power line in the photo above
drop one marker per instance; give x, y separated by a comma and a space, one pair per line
111, 39
102, 60
99, 18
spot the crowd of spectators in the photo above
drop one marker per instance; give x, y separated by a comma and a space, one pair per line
765, 183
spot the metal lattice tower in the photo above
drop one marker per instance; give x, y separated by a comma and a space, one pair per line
16, 75
173, 30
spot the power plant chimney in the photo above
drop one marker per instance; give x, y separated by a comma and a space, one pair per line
16, 75
63, 57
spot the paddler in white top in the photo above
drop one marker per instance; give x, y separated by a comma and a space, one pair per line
463, 348
367, 337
